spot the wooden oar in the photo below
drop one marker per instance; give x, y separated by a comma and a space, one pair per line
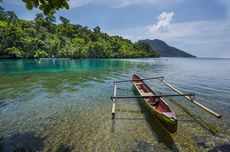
153, 96
160, 77
193, 101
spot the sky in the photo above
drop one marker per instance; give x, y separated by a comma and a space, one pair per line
199, 27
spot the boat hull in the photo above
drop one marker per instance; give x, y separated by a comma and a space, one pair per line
170, 122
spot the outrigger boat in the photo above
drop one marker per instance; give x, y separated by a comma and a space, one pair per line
155, 103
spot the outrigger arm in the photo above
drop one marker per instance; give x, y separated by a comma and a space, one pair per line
115, 92
191, 95
193, 101
160, 77
114, 100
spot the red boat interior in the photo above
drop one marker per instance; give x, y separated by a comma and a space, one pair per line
154, 102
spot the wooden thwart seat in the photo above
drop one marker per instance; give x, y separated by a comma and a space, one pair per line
139, 83
147, 94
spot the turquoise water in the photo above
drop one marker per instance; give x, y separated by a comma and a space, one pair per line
64, 105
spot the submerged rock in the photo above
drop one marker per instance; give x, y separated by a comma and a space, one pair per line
22, 142
221, 148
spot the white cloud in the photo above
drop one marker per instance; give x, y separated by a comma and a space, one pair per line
193, 29
201, 38
163, 23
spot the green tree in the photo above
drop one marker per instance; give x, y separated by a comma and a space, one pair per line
64, 20
40, 54
13, 52
49, 22
12, 17
97, 29
2, 15
47, 6
43, 38
39, 21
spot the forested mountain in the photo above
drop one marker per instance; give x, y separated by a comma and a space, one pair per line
43, 37
164, 49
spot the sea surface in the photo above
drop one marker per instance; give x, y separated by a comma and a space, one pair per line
64, 105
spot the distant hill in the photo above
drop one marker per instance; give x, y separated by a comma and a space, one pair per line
165, 50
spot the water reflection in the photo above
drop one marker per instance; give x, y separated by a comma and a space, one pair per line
67, 75
26, 66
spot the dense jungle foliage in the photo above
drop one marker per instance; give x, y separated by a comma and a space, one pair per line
43, 37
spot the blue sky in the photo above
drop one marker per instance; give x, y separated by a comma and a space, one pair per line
200, 27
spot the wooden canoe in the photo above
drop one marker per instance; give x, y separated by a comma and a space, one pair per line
156, 105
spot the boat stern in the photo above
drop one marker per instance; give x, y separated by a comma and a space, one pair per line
170, 123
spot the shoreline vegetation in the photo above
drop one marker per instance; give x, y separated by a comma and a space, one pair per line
44, 38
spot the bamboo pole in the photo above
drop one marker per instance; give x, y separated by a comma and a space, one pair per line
113, 109
114, 100
160, 77
193, 101
114, 91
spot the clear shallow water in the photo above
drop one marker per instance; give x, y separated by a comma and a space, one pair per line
65, 105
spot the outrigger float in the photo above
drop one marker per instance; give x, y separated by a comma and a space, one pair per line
155, 103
